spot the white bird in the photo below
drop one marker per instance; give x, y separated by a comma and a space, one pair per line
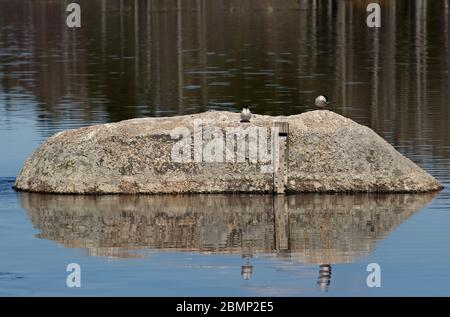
245, 115
321, 102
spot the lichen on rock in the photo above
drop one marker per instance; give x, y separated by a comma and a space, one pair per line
327, 153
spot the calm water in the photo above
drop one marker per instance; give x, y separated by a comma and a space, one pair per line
163, 58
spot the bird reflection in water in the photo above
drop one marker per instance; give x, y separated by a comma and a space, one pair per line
247, 267
323, 282
247, 255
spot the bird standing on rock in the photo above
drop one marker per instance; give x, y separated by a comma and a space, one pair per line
245, 115
322, 102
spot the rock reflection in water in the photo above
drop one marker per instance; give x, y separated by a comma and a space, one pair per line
312, 229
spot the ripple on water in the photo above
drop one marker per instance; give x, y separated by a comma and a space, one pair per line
9, 276
6, 184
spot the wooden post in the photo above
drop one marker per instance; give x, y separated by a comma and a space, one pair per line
281, 217
280, 173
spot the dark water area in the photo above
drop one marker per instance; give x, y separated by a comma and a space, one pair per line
163, 58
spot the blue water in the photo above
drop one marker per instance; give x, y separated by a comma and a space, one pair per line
413, 260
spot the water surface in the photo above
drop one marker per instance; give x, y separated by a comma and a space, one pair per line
151, 58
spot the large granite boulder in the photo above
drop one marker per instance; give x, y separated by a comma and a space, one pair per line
201, 154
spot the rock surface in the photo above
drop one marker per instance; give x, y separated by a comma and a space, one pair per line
327, 153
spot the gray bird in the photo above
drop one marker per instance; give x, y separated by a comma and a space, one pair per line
322, 102
245, 115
